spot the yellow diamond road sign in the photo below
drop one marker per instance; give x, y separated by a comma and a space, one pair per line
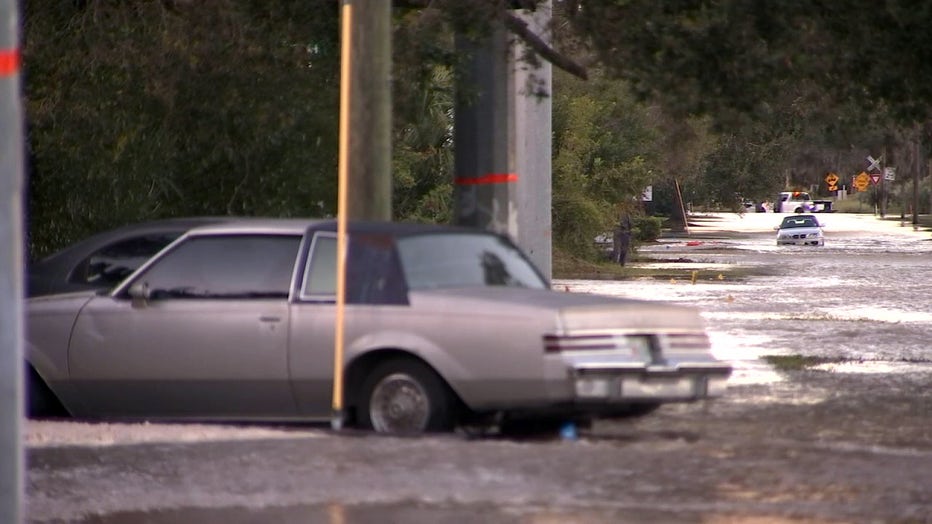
862, 181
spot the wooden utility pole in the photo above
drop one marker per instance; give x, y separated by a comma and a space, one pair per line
369, 176
11, 268
365, 176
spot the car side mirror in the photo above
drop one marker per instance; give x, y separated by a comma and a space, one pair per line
140, 293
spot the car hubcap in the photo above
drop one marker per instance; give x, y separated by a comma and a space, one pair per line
399, 405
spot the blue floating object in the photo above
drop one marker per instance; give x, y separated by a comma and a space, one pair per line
568, 431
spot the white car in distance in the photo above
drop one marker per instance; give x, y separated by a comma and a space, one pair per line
800, 230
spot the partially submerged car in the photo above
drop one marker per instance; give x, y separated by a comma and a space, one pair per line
443, 326
800, 230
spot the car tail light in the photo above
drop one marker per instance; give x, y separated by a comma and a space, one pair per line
636, 344
631, 344
688, 342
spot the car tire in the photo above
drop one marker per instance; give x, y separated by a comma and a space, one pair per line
405, 396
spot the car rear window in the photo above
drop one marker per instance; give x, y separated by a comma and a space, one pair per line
456, 260
789, 223
109, 265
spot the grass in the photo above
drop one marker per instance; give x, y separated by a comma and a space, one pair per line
925, 221
798, 362
895, 213
566, 266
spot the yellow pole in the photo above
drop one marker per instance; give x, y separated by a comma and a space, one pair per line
343, 170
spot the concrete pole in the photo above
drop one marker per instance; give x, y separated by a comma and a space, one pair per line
483, 138
11, 268
533, 97
370, 112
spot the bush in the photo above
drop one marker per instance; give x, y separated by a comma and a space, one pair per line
646, 229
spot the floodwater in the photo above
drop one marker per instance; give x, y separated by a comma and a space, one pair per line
852, 444
865, 298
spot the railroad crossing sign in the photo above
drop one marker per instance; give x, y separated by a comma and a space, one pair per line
861, 181
874, 163
832, 180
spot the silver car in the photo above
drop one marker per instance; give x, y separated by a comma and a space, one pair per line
800, 230
443, 327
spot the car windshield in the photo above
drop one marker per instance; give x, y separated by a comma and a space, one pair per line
456, 260
791, 222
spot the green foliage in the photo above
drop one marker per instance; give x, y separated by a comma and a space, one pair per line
734, 58
646, 229
603, 158
798, 362
796, 88
143, 109
422, 164
739, 168
139, 110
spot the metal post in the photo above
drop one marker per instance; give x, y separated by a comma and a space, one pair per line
882, 185
916, 173
11, 268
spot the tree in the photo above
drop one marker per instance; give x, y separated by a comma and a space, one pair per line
140, 110
728, 57
422, 167
604, 149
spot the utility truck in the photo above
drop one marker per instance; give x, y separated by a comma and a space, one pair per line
800, 202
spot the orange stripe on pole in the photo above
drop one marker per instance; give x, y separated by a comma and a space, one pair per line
491, 178
9, 62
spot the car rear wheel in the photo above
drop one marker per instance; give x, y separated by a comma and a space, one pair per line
406, 396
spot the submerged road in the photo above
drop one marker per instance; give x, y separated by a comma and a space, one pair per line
848, 441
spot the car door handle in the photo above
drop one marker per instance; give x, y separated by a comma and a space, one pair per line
269, 318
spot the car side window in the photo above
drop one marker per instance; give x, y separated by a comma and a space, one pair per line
225, 266
438, 261
109, 265
320, 274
